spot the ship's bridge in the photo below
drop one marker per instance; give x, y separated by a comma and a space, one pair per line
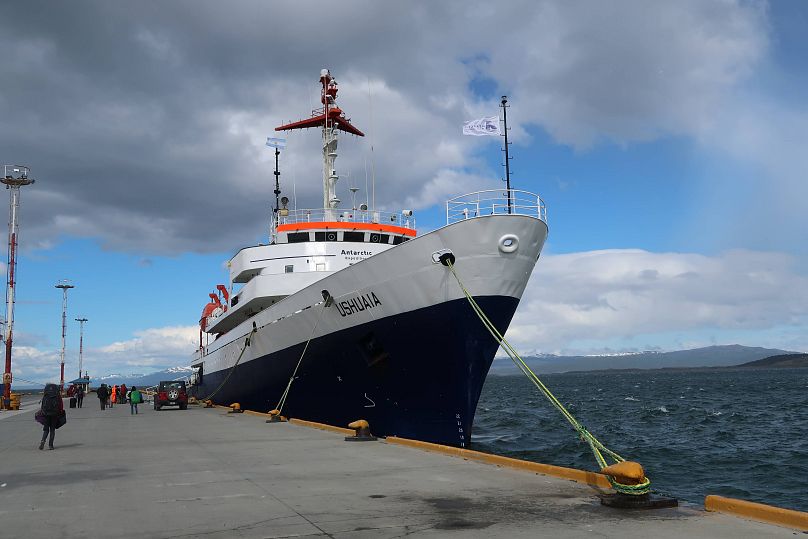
292, 226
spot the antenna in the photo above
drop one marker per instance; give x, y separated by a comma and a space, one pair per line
505, 108
14, 176
372, 157
276, 143
277, 179
366, 181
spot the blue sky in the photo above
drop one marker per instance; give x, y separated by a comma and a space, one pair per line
666, 139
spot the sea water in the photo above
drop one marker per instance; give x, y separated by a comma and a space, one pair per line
741, 433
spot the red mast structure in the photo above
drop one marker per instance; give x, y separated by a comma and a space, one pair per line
331, 119
13, 183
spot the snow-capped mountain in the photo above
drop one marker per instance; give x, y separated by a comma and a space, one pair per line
142, 380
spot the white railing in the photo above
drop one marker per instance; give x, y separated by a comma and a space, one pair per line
403, 218
495, 202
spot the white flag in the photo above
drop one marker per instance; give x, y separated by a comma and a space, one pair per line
279, 143
482, 127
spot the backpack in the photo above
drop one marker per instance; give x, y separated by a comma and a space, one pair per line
50, 403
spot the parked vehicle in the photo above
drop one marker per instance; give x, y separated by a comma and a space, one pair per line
172, 393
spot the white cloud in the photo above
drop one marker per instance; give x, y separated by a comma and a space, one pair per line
155, 346
146, 126
627, 71
147, 351
592, 298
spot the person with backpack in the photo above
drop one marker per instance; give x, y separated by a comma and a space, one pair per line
80, 396
51, 411
103, 395
135, 398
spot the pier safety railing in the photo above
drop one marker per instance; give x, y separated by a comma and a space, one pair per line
495, 202
403, 218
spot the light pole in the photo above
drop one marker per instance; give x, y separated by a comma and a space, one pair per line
81, 341
65, 285
13, 183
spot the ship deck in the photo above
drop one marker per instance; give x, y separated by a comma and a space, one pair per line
207, 473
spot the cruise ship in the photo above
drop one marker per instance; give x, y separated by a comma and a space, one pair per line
350, 314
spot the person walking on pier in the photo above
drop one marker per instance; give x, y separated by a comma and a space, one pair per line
50, 414
135, 398
113, 396
122, 394
79, 396
103, 395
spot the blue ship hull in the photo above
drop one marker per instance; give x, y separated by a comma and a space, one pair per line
415, 375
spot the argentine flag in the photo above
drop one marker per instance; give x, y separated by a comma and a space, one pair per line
279, 143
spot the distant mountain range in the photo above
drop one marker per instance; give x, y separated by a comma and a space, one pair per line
733, 355
139, 380
142, 380
710, 356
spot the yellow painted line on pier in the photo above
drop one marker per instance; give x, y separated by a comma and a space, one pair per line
788, 518
259, 414
580, 476
321, 426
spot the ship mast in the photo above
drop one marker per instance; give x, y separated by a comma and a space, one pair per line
330, 177
330, 119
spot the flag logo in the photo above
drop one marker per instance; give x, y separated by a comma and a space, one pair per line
482, 127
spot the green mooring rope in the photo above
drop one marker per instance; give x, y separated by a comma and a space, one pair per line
598, 449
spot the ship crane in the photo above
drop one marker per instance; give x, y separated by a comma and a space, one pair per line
331, 119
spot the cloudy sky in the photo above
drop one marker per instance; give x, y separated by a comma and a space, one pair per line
667, 139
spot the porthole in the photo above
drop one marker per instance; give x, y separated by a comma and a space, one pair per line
509, 243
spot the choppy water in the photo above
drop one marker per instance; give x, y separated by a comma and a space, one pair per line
738, 433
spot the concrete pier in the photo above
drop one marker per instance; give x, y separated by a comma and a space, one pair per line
207, 473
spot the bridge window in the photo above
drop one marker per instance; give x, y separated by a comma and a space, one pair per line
353, 236
325, 236
298, 237
289, 269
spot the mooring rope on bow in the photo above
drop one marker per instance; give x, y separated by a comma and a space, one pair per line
233, 368
282, 402
598, 449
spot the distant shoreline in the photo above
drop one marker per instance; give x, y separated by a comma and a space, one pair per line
779, 362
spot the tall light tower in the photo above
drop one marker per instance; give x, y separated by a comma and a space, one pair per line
14, 177
81, 341
65, 285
